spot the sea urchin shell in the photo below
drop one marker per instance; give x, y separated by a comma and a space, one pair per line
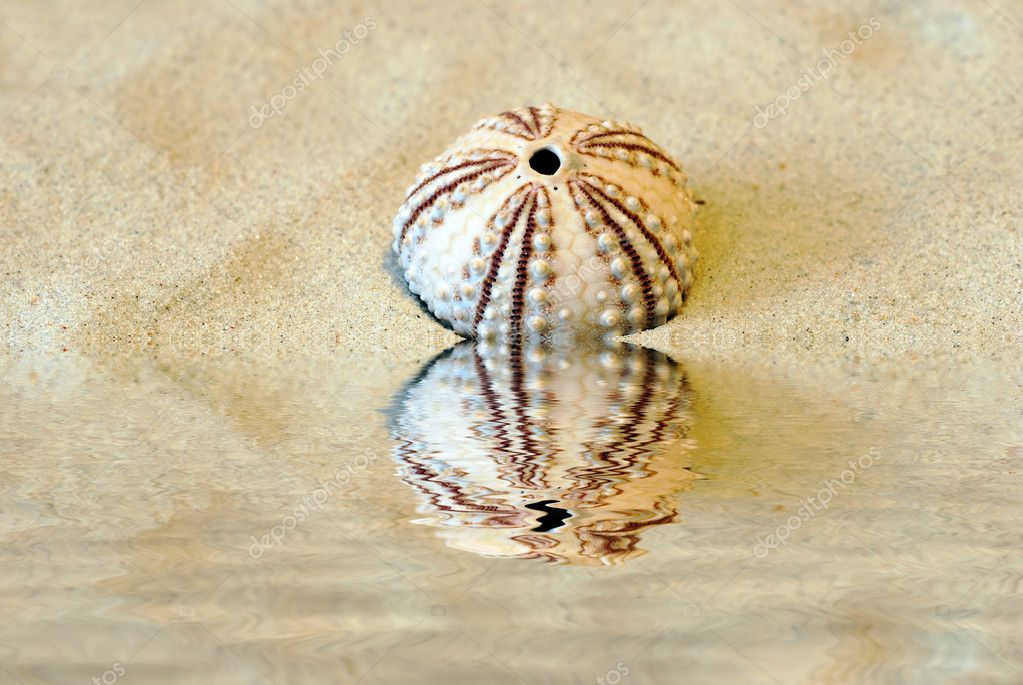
541, 222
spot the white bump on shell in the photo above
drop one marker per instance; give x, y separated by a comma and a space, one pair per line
618, 267
540, 269
630, 292
610, 318
537, 324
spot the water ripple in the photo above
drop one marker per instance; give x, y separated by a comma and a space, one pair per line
545, 453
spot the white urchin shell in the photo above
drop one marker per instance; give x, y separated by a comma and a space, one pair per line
500, 250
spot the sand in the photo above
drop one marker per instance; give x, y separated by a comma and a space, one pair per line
202, 320
145, 208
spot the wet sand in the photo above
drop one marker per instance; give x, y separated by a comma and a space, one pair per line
308, 522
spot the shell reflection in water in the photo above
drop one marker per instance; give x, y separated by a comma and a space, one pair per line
562, 456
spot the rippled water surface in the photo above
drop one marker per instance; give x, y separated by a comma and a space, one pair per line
614, 516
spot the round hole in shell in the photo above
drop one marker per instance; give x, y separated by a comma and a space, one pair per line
545, 161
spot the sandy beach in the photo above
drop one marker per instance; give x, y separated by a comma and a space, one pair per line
145, 209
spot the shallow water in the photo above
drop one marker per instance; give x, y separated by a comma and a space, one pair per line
609, 517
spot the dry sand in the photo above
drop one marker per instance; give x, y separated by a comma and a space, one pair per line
878, 218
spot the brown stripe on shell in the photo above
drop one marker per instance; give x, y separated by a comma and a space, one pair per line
585, 136
496, 156
534, 113
638, 223
519, 289
582, 212
547, 122
502, 124
447, 188
586, 150
645, 279
498, 255
645, 145
530, 130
